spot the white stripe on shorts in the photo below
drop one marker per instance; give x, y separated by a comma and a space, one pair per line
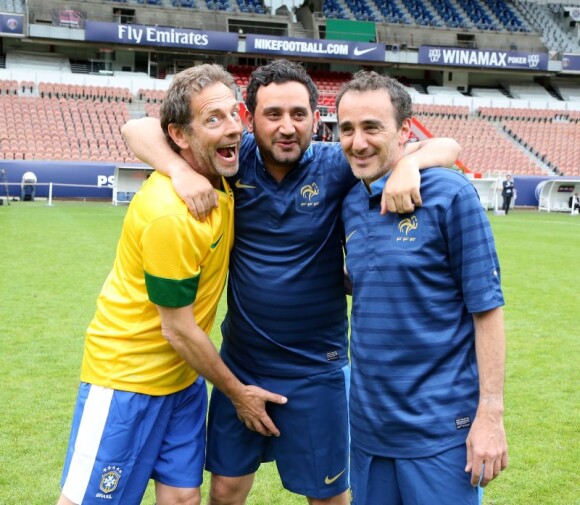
87, 442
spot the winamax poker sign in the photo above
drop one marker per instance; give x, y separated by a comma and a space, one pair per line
482, 58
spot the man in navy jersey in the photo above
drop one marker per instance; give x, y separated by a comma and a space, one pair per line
427, 339
286, 326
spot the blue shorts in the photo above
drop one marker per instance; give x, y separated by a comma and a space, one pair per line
312, 451
436, 480
120, 440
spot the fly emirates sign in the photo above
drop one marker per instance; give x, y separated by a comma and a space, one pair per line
142, 35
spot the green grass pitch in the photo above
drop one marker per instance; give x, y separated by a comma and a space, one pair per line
53, 262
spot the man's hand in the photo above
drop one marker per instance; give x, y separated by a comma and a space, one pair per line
179, 328
401, 193
194, 189
197, 193
251, 408
486, 445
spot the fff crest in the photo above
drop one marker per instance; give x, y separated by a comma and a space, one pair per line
408, 224
309, 191
309, 197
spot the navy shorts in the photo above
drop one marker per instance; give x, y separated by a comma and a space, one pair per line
120, 440
436, 480
311, 453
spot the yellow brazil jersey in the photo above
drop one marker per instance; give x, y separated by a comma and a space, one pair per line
164, 257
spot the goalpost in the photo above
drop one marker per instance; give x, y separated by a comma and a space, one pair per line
106, 190
96, 192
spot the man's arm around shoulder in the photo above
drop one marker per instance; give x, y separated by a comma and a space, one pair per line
401, 193
147, 141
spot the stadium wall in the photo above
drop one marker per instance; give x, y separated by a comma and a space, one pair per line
96, 180
87, 180
526, 188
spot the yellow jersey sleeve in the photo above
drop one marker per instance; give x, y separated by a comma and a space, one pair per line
172, 255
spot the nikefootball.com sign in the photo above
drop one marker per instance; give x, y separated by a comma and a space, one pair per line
288, 46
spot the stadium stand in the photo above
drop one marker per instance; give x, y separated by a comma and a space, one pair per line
550, 20
551, 135
488, 93
11, 6
151, 95
443, 90
531, 91
567, 92
452, 111
53, 128
478, 15
92, 117
557, 143
484, 147
152, 109
80, 94
39, 61
101, 93
333, 10
499, 113
467, 14
9, 87
449, 13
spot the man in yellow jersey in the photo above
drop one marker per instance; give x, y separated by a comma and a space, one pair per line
141, 407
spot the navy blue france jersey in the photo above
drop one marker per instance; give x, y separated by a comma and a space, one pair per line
286, 301
417, 279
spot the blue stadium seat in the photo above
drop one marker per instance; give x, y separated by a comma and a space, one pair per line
361, 10
183, 3
420, 13
506, 15
449, 14
333, 10
478, 16
392, 13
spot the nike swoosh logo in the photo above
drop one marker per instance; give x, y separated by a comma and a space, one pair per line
240, 185
349, 235
329, 480
214, 245
360, 52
